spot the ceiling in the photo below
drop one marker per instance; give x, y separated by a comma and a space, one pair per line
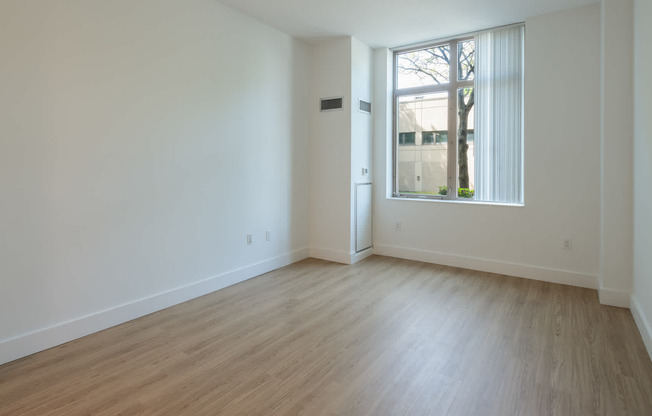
394, 22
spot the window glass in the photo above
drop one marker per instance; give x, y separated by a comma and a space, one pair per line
466, 60
406, 138
422, 169
483, 165
429, 66
465, 148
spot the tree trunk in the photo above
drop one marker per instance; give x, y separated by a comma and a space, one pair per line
463, 110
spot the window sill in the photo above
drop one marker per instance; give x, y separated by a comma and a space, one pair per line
456, 201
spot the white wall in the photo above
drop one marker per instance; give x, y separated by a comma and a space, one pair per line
562, 106
616, 238
330, 135
341, 145
141, 142
361, 123
642, 293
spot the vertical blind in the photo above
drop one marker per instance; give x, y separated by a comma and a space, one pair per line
499, 115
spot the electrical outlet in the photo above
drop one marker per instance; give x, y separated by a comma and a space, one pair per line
249, 239
567, 244
398, 226
268, 235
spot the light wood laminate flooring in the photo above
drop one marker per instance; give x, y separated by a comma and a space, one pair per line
382, 337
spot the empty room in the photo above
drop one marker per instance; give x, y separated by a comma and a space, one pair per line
284, 207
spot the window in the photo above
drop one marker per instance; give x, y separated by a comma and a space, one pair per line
441, 92
406, 138
470, 136
432, 137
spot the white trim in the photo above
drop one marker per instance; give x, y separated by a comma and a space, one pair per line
42, 339
336, 256
545, 274
356, 257
643, 324
462, 201
339, 256
612, 297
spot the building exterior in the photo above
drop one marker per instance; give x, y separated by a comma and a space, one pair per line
423, 144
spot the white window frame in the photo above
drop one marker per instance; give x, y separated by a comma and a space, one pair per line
451, 88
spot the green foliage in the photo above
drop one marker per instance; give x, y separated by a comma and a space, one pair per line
461, 192
465, 193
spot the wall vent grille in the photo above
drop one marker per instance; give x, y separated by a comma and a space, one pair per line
365, 107
328, 104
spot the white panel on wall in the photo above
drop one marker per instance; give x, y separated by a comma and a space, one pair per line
362, 216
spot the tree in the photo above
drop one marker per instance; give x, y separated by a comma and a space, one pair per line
433, 64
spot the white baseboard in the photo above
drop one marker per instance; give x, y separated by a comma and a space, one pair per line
643, 324
42, 339
356, 257
565, 277
336, 256
612, 297
339, 256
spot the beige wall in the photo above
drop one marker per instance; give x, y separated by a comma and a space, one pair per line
429, 163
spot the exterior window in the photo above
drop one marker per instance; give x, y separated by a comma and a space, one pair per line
406, 138
438, 90
432, 137
470, 136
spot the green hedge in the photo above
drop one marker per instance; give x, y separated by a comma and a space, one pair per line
461, 192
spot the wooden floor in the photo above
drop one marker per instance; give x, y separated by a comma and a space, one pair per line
383, 337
